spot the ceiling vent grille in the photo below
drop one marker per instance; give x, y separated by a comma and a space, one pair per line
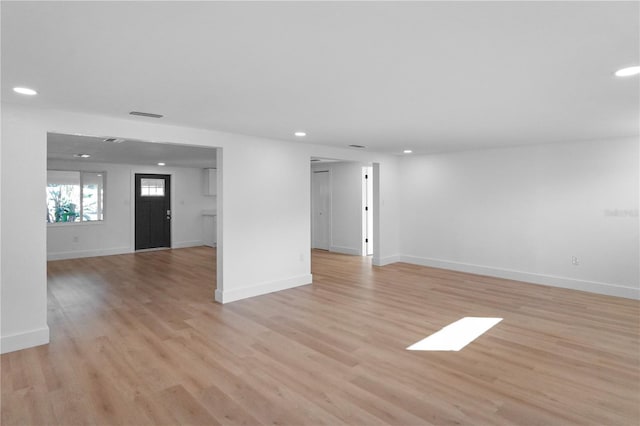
146, 114
114, 140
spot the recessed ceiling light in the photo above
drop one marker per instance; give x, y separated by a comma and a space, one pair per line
81, 155
626, 72
300, 134
25, 91
161, 164
407, 151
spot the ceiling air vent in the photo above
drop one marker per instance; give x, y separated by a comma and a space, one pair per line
357, 146
114, 140
314, 159
146, 114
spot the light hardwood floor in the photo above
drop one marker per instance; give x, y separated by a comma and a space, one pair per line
136, 339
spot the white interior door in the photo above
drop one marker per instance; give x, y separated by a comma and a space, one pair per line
321, 210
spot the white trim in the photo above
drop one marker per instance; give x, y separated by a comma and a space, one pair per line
152, 249
185, 244
87, 253
227, 296
382, 261
28, 339
548, 280
345, 250
132, 209
73, 224
62, 255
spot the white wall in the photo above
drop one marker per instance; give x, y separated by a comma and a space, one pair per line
263, 209
115, 234
386, 243
1, 236
346, 206
269, 226
523, 212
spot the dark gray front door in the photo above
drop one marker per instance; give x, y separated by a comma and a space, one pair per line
153, 211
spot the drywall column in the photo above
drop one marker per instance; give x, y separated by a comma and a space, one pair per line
219, 225
1, 180
385, 213
23, 244
265, 209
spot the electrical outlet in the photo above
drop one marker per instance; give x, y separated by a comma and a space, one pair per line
575, 261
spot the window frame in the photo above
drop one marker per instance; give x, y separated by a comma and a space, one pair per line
82, 222
156, 187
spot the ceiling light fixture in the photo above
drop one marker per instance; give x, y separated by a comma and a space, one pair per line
25, 91
82, 155
357, 146
626, 72
300, 134
161, 164
407, 151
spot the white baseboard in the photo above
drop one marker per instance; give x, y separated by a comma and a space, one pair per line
28, 339
227, 296
387, 260
345, 250
185, 244
548, 280
77, 254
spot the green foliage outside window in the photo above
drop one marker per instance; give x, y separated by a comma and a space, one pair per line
74, 196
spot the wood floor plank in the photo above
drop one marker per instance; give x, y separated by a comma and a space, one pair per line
225, 410
185, 408
137, 340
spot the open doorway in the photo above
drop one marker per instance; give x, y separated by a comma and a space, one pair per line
321, 209
117, 196
341, 206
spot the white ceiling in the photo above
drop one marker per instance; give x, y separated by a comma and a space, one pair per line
63, 147
431, 76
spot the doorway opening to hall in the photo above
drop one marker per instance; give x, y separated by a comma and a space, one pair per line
342, 208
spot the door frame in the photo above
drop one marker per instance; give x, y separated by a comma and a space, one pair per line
132, 204
367, 211
330, 225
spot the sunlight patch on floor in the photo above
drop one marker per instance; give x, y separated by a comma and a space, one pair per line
456, 335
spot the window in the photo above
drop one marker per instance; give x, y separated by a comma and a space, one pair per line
151, 187
74, 196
